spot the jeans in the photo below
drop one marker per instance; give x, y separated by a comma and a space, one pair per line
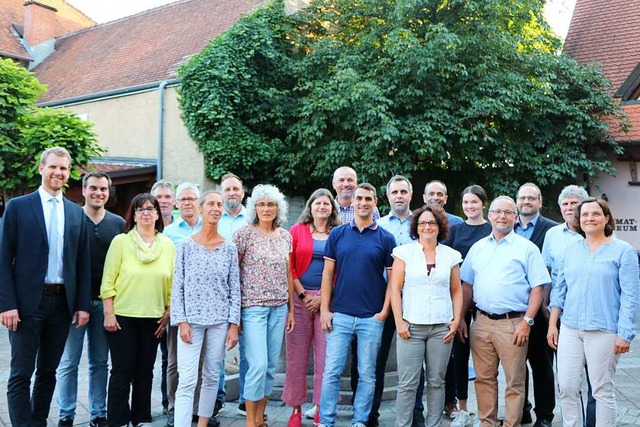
38, 342
133, 353
98, 354
424, 345
242, 369
212, 339
597, 348
368, 332
263, 329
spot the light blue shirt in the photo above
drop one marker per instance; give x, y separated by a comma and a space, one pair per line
527, 231
503, 272
556, 241
453, 219
599, 291
228, 225
400, 228
47, 207
180, 229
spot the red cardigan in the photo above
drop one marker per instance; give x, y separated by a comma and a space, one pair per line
302, 252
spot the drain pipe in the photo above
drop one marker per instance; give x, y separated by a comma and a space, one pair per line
161, 91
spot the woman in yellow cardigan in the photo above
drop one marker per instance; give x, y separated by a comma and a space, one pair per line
136, 291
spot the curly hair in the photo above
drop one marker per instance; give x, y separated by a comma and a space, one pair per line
441, 219
267, 192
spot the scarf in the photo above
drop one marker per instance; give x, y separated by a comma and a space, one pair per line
146, 254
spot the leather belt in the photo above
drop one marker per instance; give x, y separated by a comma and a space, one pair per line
53, 289
509, 315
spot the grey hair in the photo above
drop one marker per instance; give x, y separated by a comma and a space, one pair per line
161, 184
204, 195
572, 191
187, 186
436, 181
399, 178
268, 192
513, 202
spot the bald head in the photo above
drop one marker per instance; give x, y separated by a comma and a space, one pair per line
344, 182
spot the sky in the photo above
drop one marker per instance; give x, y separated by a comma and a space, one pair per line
558, 11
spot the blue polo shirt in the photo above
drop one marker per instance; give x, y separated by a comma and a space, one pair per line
361, 260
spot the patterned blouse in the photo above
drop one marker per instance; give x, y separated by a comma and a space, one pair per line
264, 266
206, 286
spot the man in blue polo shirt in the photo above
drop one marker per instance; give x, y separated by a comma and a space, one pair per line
504, 273
357, 253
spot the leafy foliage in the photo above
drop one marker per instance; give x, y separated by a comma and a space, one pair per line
26, 131
465, 86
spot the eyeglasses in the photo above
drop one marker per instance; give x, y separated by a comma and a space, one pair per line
498, 212
266, 205
188, 200
427, 224
529, 198
143, 211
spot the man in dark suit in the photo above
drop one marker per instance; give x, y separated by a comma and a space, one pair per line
534, 227
44, 286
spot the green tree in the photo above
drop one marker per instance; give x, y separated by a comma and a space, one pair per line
404, 86
26, 130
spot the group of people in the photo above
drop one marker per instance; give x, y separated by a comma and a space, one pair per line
512, 289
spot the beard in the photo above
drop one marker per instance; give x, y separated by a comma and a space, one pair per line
232, 204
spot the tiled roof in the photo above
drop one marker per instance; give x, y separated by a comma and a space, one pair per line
633, 113
606, 32
135, 50
12, 13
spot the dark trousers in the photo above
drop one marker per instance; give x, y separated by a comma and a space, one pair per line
38, 342
388, 333
165, 364
540, 357
456, 384
133, 353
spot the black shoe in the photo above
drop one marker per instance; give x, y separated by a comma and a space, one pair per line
418, 419
373, 422
213, 422
219, 405
526, 418
242, 409
543, 423
65, 422
99, 422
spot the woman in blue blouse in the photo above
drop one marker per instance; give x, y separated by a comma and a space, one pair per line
597, 292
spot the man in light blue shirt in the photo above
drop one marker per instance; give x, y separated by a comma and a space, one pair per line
435, 193
503, 273
233, 216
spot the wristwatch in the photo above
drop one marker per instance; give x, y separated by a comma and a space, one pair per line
529, 320
301, 295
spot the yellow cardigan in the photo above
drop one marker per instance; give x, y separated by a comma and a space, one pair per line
137, 289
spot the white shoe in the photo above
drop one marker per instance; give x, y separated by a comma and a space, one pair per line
311, 413
462, 419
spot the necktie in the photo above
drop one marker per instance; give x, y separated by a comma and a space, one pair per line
52, 266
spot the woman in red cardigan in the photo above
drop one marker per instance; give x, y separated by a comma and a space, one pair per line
319, 216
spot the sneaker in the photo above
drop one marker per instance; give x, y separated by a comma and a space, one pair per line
450, 410
462, 419
99, 422
170, 420
358, 425
242, 409
316, 418
311, 413
295, 420
65, 422
219, 405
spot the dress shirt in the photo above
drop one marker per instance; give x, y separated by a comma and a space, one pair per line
599, 291
180, 229
556, 241
400, 228
47, 206
426, 296
228, 225
527, 231
502, 273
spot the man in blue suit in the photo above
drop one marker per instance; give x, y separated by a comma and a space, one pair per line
44, 286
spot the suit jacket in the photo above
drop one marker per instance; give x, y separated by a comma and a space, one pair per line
540, 230
24, 251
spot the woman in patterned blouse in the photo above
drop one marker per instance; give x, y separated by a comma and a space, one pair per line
205, 305
266, 286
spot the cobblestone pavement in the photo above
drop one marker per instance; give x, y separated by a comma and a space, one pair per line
627, 392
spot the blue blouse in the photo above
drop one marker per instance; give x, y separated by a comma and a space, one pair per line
599, 291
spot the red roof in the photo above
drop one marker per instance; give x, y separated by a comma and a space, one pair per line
136, 50
12, 13
606, 32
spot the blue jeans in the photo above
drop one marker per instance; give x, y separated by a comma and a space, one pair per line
263, 330
368, 332
242, 369
98, 354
